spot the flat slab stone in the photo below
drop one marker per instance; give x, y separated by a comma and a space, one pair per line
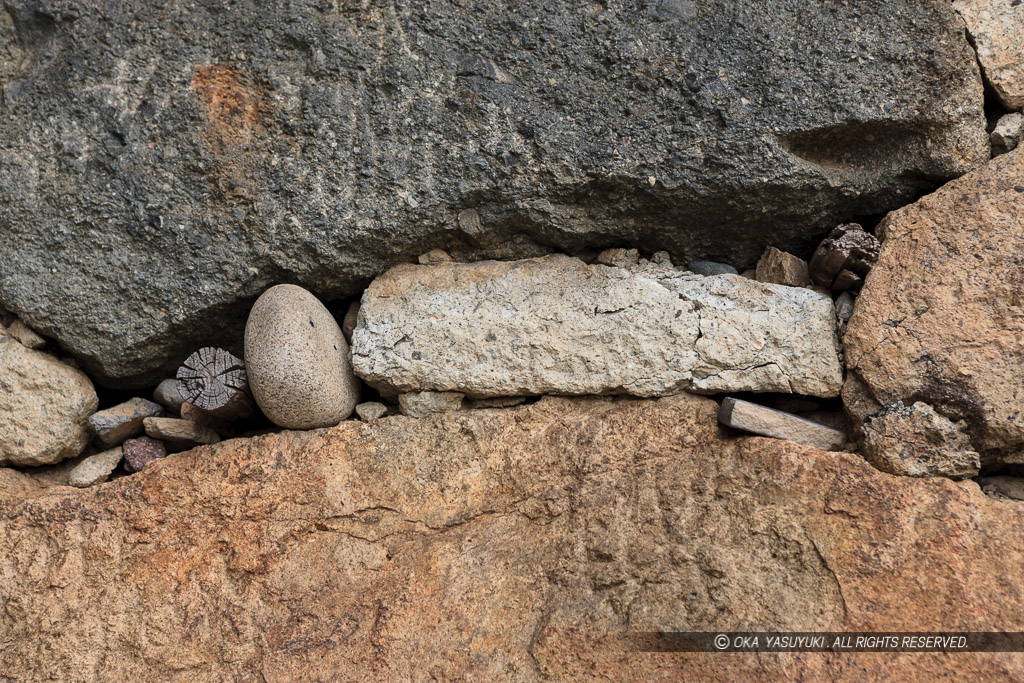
500, 545
179, 432
555, 325
95, 469
758, 419
123, 421
422, 403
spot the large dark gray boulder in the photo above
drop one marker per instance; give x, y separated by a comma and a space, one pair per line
161, 163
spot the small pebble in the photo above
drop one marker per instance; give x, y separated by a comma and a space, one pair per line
141, 451
168, 396
349, 322
96, 468
1007, 133
420, 403
711, 268
183, 433
25, 335
1010, 487
371, 410
782, 268
661, 258
620, 258
434, 256
844, 310
113, 425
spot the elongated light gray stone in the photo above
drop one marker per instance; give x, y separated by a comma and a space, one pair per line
179, 432
757, 419
555, 325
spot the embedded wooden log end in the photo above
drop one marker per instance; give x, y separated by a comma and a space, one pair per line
214, 380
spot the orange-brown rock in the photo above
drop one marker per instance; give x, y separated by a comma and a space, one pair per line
941, 318
996, 29
15, 484
514, 544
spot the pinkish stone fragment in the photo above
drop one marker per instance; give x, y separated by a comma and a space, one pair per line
142, 451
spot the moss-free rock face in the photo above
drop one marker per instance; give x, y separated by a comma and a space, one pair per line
297, 360
44, 406
996, 28
941, 318
514, 544
173, 160
555, 325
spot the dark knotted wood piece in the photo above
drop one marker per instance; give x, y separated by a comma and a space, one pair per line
214, 380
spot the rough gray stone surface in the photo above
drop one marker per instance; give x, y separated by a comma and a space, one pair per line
172, 160
555, 325
298, 360
712, 268
916, 441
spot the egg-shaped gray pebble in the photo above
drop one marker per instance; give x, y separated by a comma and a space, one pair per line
298, 361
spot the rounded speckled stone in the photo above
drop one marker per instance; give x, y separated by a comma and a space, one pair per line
297, 360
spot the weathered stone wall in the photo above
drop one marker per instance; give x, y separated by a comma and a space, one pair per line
162, 163
501, 544
941, 317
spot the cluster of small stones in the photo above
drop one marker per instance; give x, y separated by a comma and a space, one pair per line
137, 432
299, 372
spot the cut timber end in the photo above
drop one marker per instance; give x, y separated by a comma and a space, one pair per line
751, 417
215, 381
